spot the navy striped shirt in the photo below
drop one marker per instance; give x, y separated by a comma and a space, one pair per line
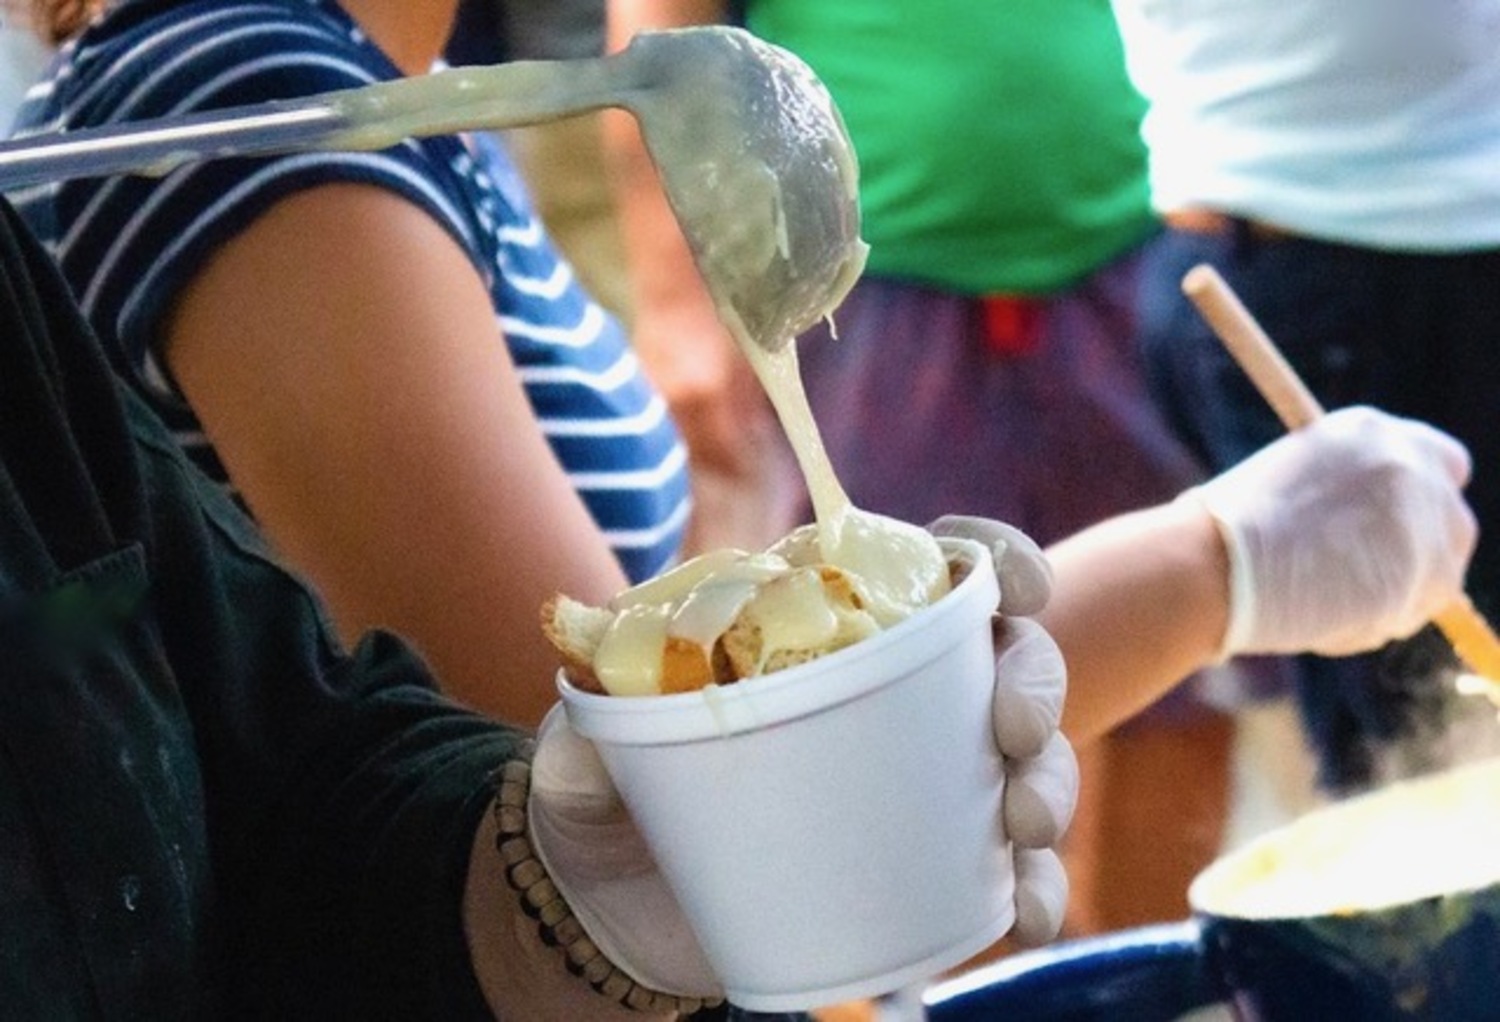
128, 245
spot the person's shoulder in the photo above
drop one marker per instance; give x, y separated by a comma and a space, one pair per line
151, 58
181, 24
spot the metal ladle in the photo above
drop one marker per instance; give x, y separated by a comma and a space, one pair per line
752, 153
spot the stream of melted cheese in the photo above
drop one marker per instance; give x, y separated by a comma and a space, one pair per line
894, 567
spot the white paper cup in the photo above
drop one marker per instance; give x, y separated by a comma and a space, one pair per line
832, 831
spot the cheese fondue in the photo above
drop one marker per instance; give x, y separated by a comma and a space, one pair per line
811, 594
1414, 840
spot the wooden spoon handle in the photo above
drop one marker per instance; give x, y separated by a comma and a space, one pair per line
1473, 640
1465, 628
1262, 361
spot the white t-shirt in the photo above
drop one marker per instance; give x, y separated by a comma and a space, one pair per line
1373, 122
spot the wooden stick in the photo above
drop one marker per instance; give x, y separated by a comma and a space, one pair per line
1461, 623
1262, 361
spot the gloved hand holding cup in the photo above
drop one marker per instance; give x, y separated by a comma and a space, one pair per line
830, 831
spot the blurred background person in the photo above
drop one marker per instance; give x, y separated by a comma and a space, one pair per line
1339, 169
986, 359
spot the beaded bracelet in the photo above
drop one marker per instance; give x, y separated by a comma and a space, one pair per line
542, 901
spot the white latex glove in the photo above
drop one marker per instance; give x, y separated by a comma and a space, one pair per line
1041, 787
1342, 536
601, 864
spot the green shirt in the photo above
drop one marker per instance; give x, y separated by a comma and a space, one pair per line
998, 141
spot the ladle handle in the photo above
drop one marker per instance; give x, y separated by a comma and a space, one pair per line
369, 117
1465, 628
159, 145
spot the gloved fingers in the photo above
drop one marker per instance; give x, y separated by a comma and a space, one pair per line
1286, 514
1436, 581
1040, 795
568, 774
1041, 896
1427, 443
1448, 452
1031, 682
1022, 568
1463, 532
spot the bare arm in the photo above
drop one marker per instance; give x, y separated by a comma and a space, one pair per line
1139, 602
1142, 600
740, 464
345, 360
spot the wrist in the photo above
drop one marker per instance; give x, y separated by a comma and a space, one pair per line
519, 975
552, 938
1226, 595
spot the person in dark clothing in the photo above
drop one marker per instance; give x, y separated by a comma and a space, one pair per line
210, 809
188, 762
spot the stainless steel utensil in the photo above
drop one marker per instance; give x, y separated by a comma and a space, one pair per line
753, 155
